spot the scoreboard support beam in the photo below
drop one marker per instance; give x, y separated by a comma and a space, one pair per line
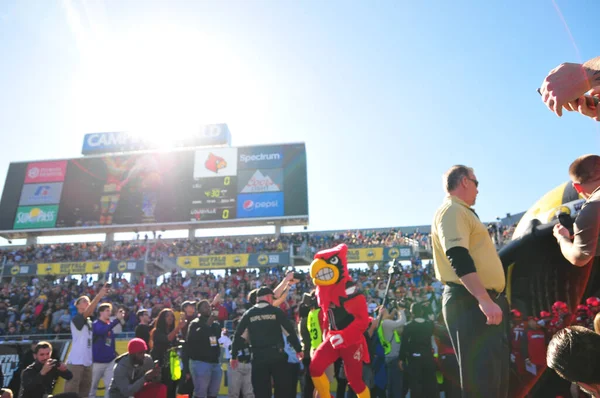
31, 240
277, 230
191, 233
110, 237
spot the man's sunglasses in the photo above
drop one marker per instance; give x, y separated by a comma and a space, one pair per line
474, 182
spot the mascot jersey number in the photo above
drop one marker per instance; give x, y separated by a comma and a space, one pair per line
346, 318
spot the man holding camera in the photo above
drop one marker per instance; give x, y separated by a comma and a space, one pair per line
136, 374
38, 379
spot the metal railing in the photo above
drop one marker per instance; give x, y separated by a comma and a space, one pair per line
6, 339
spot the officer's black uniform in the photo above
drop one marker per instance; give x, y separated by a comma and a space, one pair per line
269, 360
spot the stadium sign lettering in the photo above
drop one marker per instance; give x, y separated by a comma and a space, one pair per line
212, 260
72, 268
108, 139
260, 156
41, 217
9, 363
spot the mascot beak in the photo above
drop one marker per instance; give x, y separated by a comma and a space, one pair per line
323, 273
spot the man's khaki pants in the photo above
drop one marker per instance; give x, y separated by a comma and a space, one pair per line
101, 371
240, 380
81, 381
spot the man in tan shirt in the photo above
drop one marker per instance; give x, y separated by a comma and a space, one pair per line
474, 306
585, 176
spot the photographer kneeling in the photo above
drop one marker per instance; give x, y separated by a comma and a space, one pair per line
136, 375
38, 379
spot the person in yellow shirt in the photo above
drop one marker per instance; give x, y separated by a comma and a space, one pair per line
474, 306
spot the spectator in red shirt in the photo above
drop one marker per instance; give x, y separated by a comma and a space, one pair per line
536, 345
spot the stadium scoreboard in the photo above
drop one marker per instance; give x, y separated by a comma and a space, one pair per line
239, 185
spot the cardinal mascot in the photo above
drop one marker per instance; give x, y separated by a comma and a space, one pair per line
346, 318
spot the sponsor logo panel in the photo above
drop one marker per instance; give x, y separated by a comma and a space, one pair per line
46, 172
260, 205
262, 157
41, 194
217, 162
259, 181
36, 217
234, 260
73, 268
365, 255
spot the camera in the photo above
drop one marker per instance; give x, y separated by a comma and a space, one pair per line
395, 268
309, 300
300, 276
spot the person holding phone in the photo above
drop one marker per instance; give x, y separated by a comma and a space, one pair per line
103, 346
136, 374
580, 248
565, 85
80, 358
38, 379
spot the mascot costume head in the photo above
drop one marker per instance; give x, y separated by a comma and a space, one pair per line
329, 272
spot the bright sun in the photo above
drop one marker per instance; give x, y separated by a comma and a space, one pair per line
162, 83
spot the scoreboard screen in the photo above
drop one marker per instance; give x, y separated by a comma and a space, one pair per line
187, 186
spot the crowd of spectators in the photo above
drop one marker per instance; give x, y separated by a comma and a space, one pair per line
160, 248
45, 306
501, 234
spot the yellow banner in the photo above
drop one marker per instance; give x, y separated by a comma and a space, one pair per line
89, 267
365, 255
204, 262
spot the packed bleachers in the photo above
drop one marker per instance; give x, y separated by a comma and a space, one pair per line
40, 306
133, 250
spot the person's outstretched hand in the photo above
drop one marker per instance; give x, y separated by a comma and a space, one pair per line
564, 84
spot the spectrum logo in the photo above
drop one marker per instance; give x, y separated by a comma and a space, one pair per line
260, 205
259, 157
265, 157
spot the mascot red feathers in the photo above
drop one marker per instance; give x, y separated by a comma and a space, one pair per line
347, 318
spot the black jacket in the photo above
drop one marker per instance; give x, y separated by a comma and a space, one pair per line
202, 343
34, 385
264, 323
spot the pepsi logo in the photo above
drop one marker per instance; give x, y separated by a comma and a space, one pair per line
248, 205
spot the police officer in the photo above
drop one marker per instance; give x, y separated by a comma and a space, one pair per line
269, 360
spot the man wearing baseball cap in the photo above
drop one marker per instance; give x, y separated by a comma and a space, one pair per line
135, 374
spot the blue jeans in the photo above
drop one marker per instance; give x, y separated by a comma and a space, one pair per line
395, 378
206, 377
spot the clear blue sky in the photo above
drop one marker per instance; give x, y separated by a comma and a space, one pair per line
387, 95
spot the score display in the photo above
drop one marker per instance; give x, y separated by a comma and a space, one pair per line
186, 186
214, 198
